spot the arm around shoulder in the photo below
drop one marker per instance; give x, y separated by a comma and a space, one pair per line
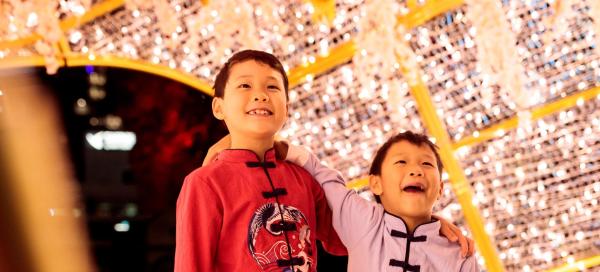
352, 215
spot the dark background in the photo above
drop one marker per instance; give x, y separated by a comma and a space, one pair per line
174, 127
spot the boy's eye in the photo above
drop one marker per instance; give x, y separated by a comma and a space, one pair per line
273, 87
428, 163
401, 162
244, 85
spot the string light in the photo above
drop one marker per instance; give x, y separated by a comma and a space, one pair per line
536, 186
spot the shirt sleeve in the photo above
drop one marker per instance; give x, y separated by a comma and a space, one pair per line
325, 231
352, 215
198, 221
470, 265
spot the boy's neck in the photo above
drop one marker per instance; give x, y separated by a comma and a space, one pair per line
257, 145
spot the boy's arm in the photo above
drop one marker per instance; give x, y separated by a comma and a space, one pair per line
454, 234
198, 218
352, 216
324, 229
346, 204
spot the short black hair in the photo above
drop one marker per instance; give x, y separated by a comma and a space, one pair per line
259, 56
409, 136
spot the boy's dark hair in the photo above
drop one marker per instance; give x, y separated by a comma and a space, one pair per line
259, 56
413, 138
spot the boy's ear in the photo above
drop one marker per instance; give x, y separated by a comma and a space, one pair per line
375, 184
217, 108
441, 189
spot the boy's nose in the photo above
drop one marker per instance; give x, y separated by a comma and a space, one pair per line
416, 171
261, 97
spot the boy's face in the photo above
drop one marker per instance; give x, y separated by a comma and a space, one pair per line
254, 102
410, 181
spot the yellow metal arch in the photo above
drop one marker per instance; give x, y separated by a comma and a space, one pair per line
117, 62
159, 70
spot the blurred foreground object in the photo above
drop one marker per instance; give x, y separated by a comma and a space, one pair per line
42, 225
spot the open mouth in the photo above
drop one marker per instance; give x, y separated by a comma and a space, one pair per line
260, 112
414, 189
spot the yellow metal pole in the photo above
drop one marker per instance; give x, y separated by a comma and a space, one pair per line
358, 183
18, 43
19, 62
324, 10
338, 55
459, 182
536, 113
420, 13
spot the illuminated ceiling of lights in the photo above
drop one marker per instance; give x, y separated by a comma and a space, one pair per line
512, 98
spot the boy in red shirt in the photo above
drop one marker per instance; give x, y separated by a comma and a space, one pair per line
248, 210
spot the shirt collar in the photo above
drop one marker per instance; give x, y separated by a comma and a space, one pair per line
398, 224
244, 155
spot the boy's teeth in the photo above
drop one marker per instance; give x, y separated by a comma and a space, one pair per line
259, 112
413, 188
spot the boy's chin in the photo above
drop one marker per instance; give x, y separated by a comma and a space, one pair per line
257, 134
410, 211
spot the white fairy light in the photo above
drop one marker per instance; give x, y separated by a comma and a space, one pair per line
75, 37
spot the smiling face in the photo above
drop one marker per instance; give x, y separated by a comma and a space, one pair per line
254, 100
409, 182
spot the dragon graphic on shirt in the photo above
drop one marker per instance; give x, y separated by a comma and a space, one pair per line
267, 241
